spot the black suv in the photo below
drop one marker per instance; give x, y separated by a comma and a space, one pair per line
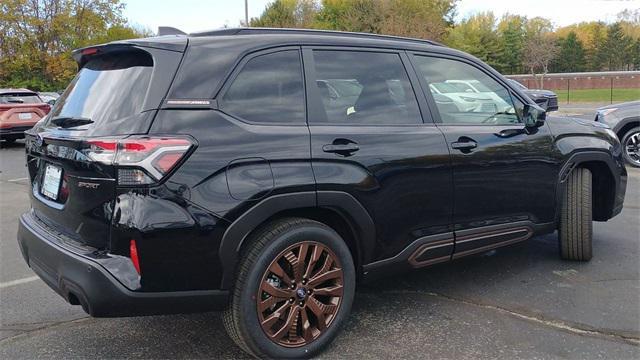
267, 171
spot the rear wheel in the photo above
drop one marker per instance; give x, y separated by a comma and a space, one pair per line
293, 291
631, 146
576, 220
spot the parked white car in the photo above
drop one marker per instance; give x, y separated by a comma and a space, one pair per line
475, 86
465, 101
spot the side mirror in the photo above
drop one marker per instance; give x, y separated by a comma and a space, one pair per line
534, 116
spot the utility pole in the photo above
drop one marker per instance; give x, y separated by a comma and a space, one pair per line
246, 12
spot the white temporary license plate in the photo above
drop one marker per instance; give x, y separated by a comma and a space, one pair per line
51, 182
24, 116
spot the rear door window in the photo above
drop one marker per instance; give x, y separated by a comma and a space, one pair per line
368, 88
109, 87
268, 89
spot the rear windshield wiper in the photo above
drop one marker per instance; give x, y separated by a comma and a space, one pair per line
70, 121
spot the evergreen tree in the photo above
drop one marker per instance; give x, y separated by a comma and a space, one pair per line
571, 57
614, 51
636, 54
511, 34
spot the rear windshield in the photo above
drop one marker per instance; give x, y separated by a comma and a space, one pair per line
109, 87
19, 98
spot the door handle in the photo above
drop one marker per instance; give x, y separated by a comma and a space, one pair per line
464, 144
341, 149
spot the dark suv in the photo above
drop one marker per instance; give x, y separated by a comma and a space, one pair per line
267, 171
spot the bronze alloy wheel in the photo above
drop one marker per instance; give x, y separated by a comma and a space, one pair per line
300, 294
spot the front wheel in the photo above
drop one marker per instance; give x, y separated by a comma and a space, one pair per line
631, 147
576, 218
293, 291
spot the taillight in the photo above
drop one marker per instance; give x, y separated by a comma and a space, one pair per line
89, 51
46, 108
140, 161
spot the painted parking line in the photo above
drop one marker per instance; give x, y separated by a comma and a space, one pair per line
18, 282
18, 179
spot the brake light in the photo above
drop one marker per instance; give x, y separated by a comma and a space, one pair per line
46, 108
89, 51
133, 254
140, 161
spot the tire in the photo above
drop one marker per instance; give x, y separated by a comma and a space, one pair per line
243, 318
631, 147
576, 218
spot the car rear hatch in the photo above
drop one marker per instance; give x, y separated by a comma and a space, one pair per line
71, 153
21, 109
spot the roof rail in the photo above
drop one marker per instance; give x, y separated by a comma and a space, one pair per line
258, 30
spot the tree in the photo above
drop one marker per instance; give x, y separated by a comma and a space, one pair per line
37, 36
636, 57
477, 35
511, 36
426, 19
596, 58
287, 14
356, 15
571, 56
616, 50
539, 52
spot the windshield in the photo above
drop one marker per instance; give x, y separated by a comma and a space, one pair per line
446, 88
107, 88
481, 87
463, 87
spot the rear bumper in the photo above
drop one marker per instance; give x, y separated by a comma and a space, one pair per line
14, 132
82, 281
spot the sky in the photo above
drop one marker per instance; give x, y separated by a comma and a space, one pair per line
198, 15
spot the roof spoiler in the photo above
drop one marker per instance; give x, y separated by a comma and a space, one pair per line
168, 30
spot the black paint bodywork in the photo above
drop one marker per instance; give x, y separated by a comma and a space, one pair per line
405, 199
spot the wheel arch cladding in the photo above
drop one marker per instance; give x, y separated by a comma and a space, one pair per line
604, 183
602, 189
627, 124
338, 210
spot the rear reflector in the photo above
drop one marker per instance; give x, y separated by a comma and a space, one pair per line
133, 253
166, 161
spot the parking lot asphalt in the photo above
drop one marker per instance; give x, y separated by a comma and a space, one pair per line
520, 301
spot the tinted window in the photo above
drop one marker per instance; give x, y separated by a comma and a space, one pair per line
268, 89
19, 98
109, 87
466, 95
365, 88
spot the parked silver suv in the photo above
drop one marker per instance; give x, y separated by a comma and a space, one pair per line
624, 119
